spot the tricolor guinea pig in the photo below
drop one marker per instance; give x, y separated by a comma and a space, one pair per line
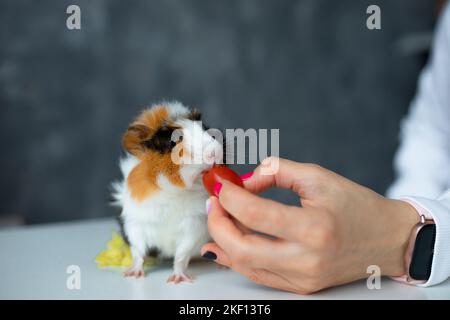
161, 194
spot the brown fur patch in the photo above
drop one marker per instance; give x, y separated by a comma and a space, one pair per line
142, 180
144, 127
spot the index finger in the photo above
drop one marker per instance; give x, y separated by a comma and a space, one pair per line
264, 215
247, 249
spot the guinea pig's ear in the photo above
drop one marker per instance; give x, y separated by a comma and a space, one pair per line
133, 138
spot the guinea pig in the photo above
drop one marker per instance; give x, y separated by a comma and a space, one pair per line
161, 194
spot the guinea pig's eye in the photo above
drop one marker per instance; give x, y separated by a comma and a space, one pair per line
173, 143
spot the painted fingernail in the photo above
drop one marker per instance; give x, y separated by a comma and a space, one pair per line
208, 205
246, 176
217, 187
209, 255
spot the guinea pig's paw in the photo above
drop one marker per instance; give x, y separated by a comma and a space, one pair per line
177, 278
135, 272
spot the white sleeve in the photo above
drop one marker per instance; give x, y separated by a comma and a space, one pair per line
422, 161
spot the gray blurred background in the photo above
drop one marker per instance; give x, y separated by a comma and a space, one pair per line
311, 68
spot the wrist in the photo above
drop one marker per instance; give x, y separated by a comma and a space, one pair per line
402, 218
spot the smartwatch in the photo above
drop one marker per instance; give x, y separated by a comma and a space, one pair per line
420, 250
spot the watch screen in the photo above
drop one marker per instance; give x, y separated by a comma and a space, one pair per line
422, 258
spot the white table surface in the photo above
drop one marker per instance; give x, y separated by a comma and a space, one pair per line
34, 260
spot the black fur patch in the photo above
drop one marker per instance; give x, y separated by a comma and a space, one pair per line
195, 115
153, 252
161, 140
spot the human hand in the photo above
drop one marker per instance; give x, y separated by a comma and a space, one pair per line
340, 230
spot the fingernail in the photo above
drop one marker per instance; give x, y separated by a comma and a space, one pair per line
246, 176
208, 205
209, 255
217, 187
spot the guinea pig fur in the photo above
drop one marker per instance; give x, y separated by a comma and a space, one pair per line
162, 200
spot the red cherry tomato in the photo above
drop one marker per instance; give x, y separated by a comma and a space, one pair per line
218, 173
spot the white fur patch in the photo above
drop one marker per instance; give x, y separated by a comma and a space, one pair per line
167, 218
176, 109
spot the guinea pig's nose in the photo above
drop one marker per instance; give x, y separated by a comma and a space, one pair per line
210, 156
